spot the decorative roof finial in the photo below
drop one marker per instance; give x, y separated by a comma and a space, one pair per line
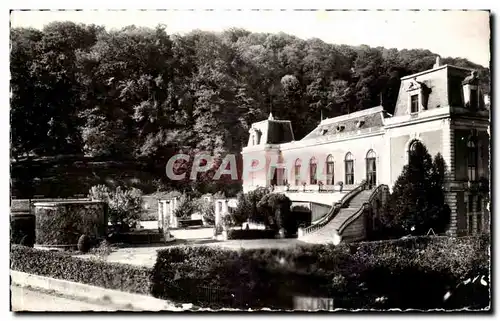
321, 114
270, 116
438, 62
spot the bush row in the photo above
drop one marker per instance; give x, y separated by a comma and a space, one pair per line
407, 273
236, 234
137, 237
63, 266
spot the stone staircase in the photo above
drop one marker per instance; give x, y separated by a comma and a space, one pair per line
327, 232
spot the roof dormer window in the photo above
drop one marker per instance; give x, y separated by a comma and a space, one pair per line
323, 131
417, 96
360, 123
340, 128
471, 91
414, 103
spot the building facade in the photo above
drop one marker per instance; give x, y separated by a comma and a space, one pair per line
441, 108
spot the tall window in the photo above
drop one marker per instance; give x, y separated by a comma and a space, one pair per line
479, 217
413, 148
349, 169
414, 103
479, 223
470, 214
281, 170
297, 171
473, 99
472, 160
371, 168
313, 167
329, 170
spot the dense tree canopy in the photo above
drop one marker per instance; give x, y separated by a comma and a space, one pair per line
141, 93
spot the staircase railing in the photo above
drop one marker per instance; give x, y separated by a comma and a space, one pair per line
334, 210
378, 190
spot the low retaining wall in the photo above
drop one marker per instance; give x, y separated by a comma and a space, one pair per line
316, 197
134, 301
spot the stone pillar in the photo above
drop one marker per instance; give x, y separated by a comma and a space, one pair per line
216, 211
448, 153
451, 199
160, 215
170, 206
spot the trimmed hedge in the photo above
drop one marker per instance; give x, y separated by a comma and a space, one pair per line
137, 237
250, 234
65, 222
63, 266
189, 223
408, 273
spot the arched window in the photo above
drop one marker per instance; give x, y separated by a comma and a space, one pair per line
313, 167
349, 169
329, 170
281, 170
412, 148
472, 159
297, 171
371, 168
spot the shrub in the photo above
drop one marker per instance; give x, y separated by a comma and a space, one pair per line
276, 207
247, 208
185, 208
206, 210
125, 206
84, 243
60, 265
235, 234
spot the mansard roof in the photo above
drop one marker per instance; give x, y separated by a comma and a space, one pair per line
279, 131
350, 123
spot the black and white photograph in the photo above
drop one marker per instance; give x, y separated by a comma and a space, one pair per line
250, 160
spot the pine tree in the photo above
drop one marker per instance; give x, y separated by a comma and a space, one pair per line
417, 202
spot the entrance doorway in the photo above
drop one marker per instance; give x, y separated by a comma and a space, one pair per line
371, 169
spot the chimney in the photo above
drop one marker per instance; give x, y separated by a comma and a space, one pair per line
438, 63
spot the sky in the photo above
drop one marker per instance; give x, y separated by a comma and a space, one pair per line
463, 34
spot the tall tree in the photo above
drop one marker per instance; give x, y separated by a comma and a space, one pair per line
417, 202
